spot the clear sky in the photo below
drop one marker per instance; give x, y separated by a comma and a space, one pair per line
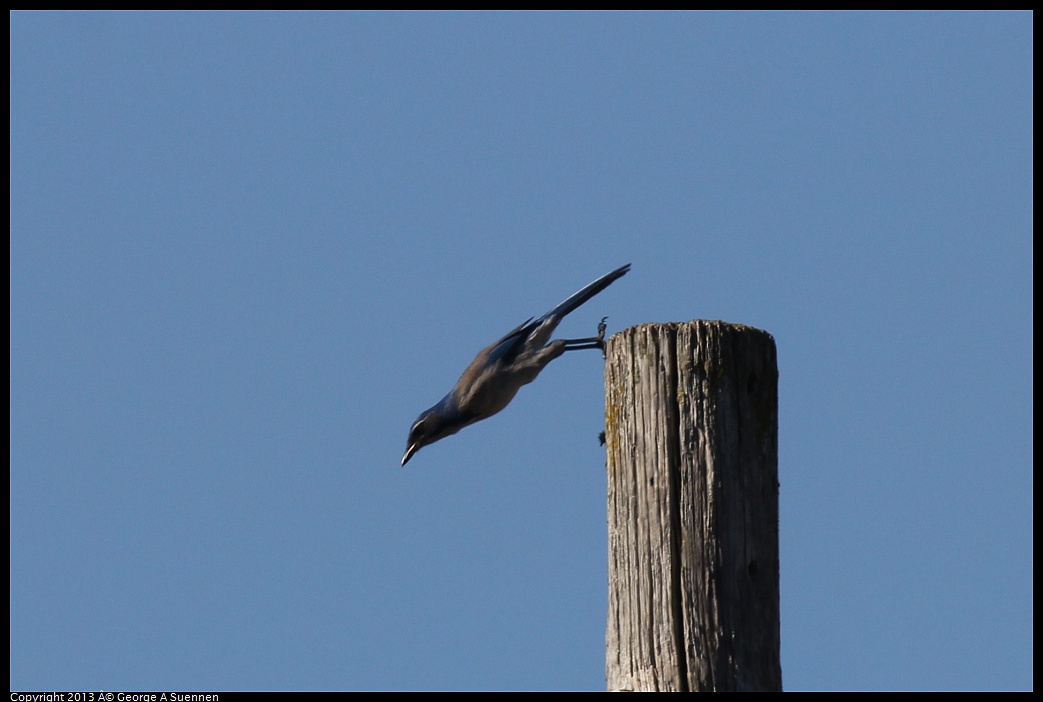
248, 249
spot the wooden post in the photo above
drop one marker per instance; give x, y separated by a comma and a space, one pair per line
691, 414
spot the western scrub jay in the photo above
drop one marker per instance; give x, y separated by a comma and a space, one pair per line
499, 370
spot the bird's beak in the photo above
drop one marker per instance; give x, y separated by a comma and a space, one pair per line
413, 448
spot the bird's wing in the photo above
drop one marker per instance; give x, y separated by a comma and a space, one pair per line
508, 346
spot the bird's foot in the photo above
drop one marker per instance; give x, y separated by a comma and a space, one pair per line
594, 342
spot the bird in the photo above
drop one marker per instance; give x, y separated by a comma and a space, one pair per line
499, 370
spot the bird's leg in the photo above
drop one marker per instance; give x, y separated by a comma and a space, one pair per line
594, 342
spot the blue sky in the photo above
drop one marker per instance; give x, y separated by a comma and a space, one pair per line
248, 249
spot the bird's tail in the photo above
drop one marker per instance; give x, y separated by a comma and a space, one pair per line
581, 296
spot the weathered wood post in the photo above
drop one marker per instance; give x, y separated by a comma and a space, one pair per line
691, 416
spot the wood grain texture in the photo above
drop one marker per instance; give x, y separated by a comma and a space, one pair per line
692, 440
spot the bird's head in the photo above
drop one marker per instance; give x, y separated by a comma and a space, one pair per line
436, 423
